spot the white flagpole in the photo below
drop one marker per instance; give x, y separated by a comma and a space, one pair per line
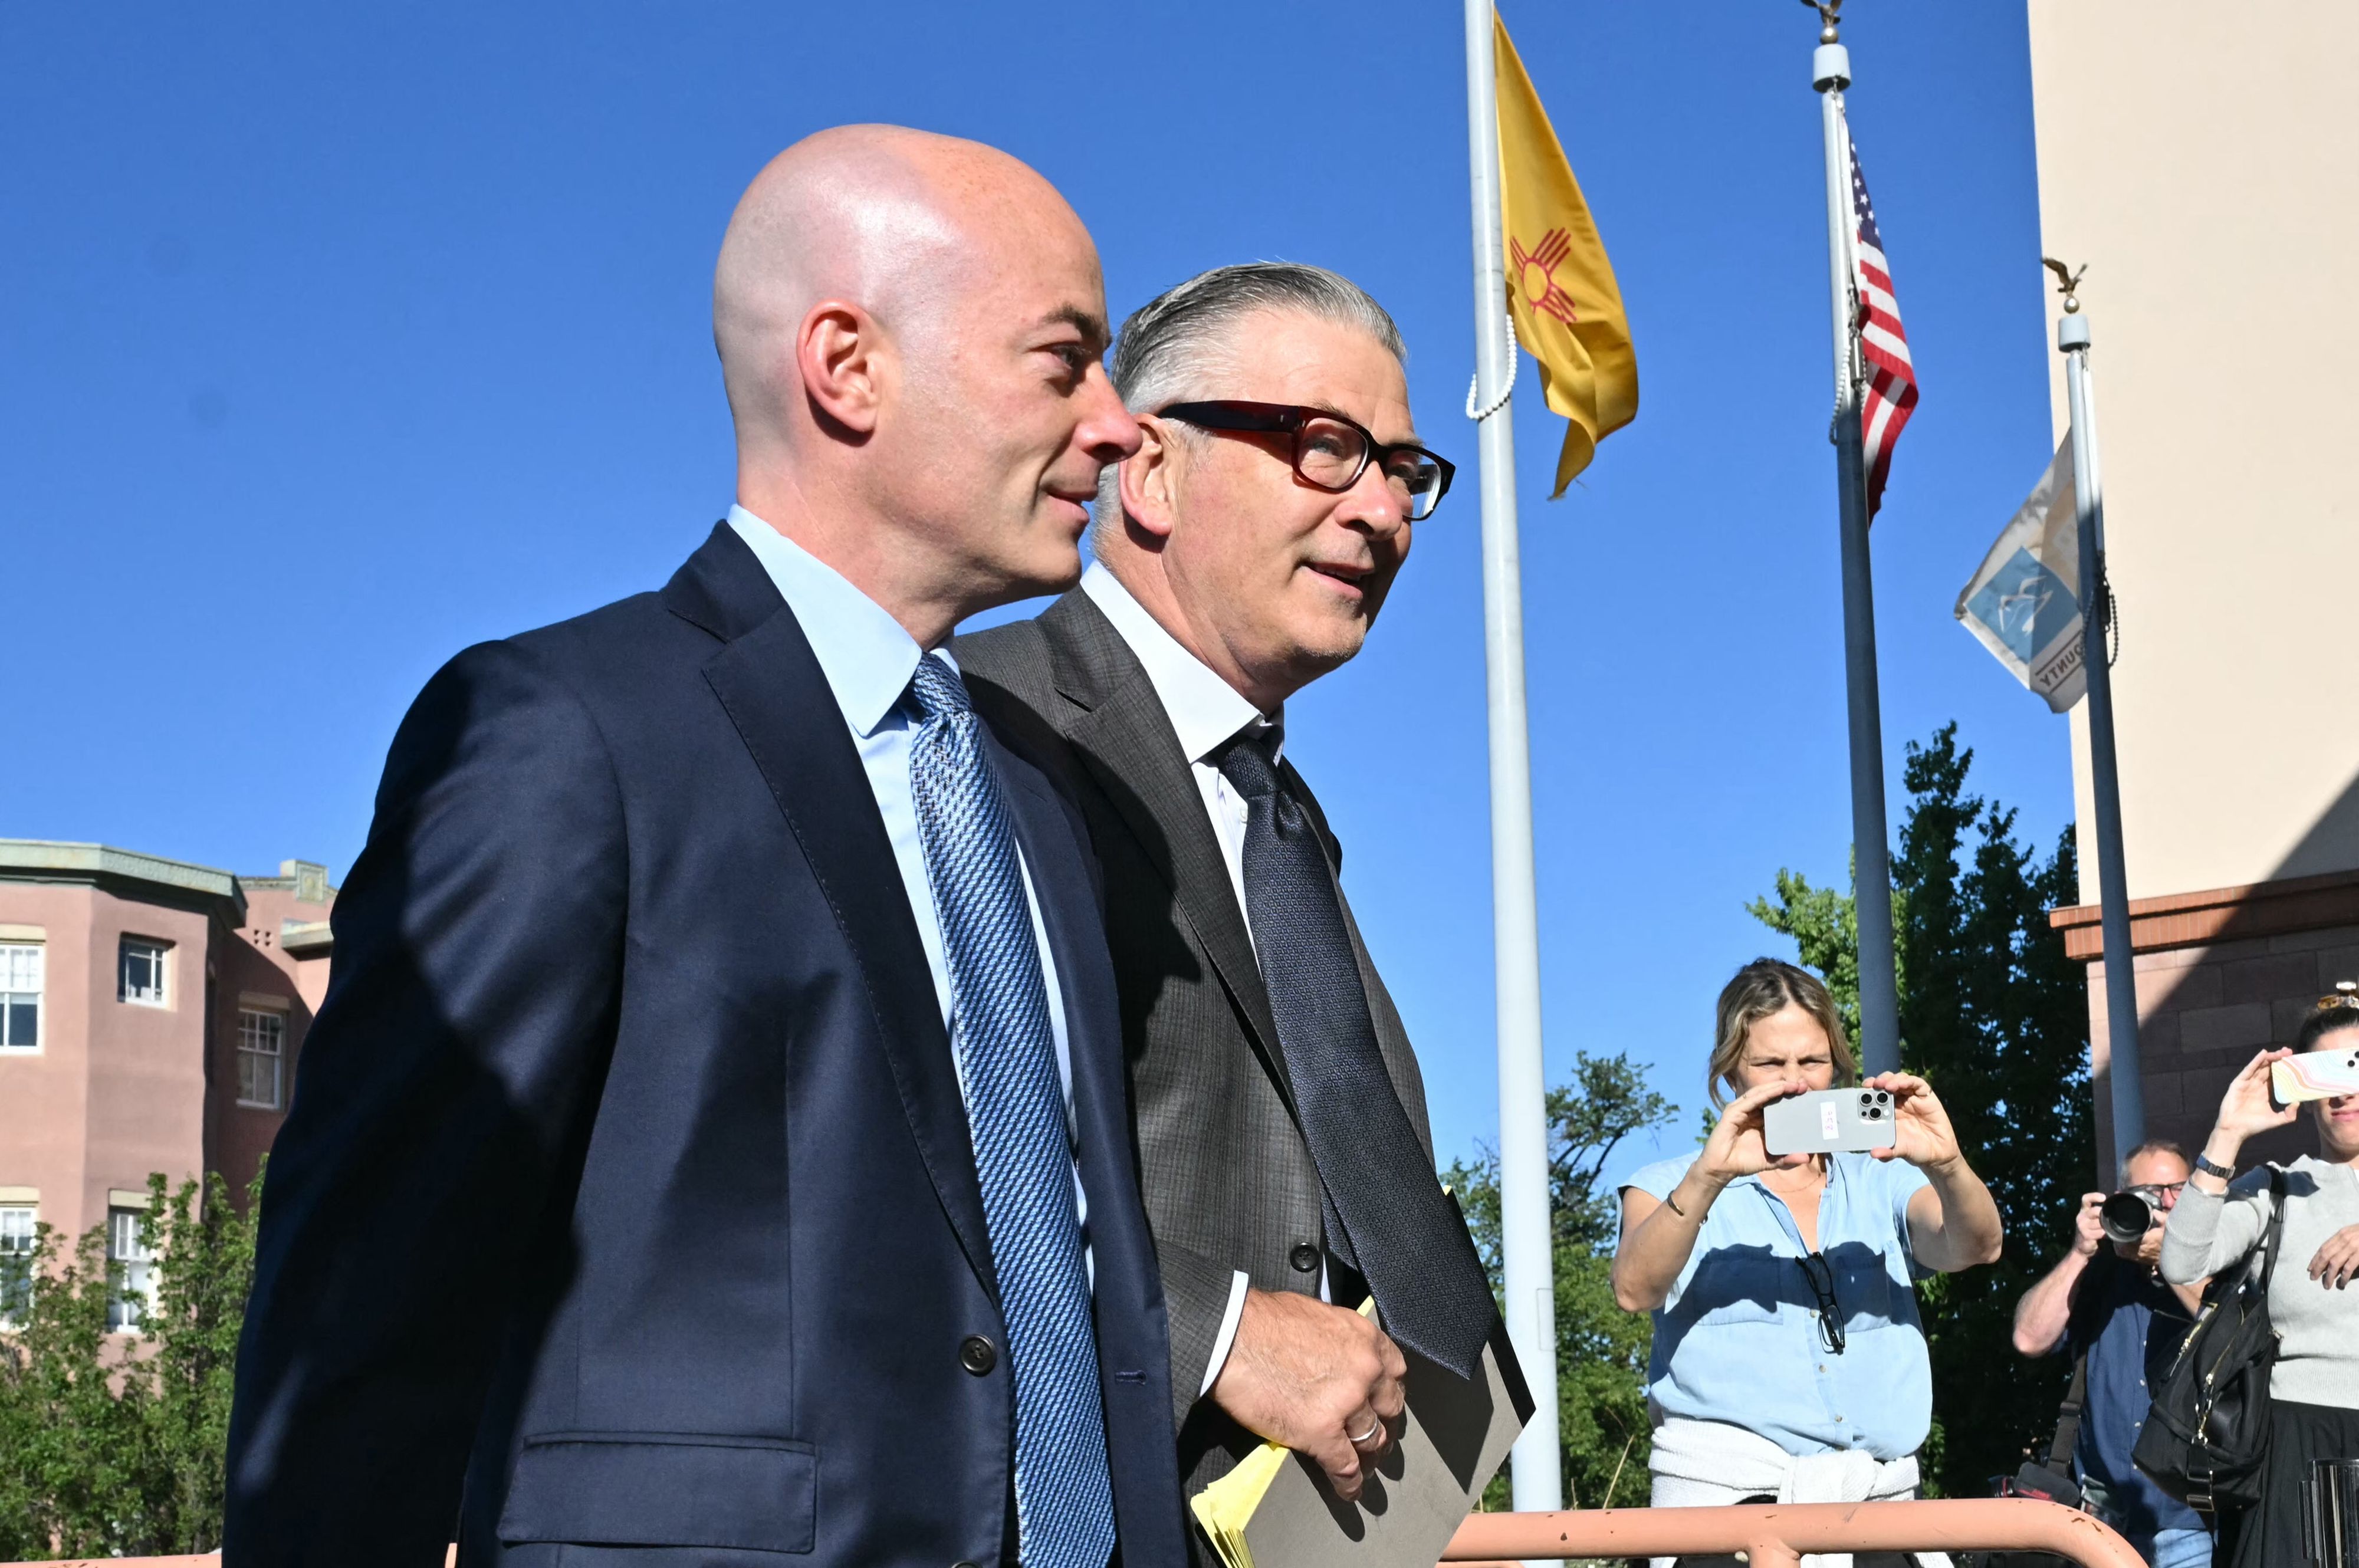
1879, 993
1527, 1256
2104, 777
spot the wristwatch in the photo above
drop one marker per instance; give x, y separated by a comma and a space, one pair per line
2225, 1173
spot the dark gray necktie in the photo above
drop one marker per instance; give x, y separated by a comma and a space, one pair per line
1401, 1232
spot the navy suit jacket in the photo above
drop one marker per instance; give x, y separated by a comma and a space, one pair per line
626, 1211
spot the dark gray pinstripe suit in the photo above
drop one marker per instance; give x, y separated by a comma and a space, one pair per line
1228, 1181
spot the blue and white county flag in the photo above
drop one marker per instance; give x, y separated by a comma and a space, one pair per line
2025, 602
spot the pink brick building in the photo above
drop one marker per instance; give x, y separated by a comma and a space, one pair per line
151, 1012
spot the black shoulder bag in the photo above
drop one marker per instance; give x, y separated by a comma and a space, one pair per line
2207, 1435
2049, 1481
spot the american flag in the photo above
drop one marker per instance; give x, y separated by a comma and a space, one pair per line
1891, 378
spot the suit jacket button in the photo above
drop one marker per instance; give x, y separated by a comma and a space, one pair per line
978, 1354
1305, 1258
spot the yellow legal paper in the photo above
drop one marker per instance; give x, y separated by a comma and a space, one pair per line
1227, 1506
1560, 288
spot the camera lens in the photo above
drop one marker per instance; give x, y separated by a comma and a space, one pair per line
2126, 1216
1867, 1099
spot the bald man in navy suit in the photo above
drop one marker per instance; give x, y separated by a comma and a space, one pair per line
713, 1148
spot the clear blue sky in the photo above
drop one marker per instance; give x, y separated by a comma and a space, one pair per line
333, 339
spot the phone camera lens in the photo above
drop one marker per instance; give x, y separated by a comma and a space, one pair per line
1867, 1099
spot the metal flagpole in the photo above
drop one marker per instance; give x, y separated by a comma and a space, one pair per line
1526, 1255
1879, 997
2104, 777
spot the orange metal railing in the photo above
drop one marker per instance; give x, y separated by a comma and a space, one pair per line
1774, 1536
1767, 1535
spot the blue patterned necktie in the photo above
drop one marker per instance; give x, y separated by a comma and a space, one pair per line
1016, 1114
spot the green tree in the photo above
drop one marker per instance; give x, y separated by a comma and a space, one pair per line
1994, 1014
114, 1447
205, 1266
73, 1444
1601, 1350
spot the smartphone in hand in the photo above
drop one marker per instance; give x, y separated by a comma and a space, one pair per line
2315, 1075
1826, 1120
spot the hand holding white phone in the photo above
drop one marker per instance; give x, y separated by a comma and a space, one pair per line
2314, 1075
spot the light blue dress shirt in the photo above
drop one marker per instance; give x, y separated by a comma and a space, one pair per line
1738, 1339
868, 658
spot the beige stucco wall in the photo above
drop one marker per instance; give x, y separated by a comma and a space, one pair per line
2202, 160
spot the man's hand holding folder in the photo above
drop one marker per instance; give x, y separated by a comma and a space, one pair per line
1411, 1487
1321, 1380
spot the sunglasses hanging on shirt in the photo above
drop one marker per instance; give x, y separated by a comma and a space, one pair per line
1819, 1275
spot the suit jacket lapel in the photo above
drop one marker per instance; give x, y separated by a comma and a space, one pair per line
1126, 741
771, 685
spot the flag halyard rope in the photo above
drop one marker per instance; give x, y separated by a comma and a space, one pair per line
1474, 385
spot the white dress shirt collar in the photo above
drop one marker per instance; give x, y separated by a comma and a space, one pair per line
1204, 710
865, 654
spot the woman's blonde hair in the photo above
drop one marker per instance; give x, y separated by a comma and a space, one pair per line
1764, 988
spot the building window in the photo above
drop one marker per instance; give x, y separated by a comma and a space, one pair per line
140, 973
261, 1057
15, 1261
123, 1248
20, 996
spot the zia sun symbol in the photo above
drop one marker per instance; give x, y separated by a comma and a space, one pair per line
1538, 267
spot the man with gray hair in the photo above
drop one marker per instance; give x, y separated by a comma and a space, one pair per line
1240, 553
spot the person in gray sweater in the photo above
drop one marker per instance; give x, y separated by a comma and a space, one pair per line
2218, 1225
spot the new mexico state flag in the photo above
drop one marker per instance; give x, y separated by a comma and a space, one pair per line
1560, 288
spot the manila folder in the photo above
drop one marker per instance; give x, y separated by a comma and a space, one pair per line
1277, 1510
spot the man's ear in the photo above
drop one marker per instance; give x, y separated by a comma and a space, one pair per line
839, 353
1150, 481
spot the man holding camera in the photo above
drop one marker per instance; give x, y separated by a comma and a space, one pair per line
2105, 1302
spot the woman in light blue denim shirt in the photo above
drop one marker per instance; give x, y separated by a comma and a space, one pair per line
1788, 1363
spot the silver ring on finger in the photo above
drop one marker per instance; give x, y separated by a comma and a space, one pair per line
1374, 1426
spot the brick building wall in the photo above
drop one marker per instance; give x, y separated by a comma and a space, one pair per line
2220, 975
